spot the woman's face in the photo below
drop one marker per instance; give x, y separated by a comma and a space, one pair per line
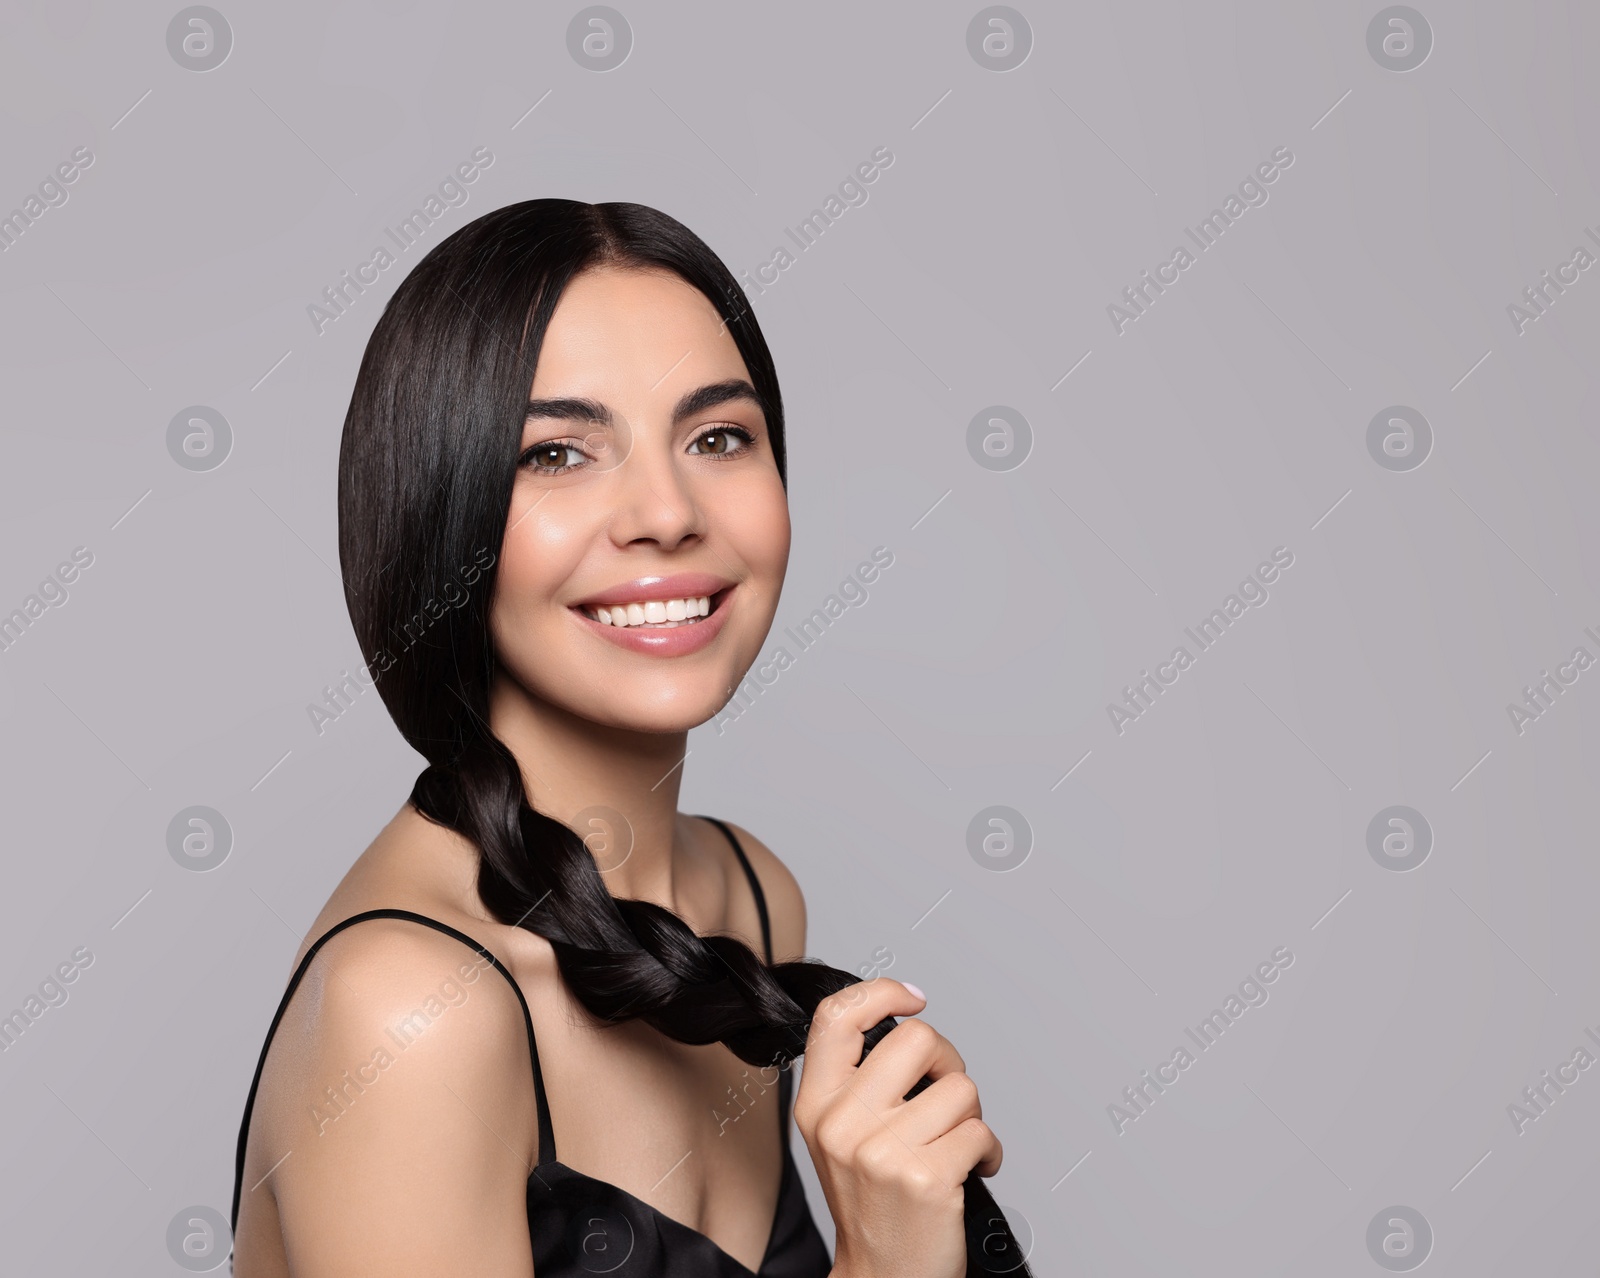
647, 478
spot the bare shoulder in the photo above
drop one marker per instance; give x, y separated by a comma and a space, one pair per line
397, 1087
400, 974
786, 904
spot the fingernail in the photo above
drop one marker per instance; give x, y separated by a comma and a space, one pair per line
915, 990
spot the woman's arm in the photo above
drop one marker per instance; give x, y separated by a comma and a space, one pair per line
403, 1112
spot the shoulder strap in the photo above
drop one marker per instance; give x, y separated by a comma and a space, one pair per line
786, 1076
755, 885
547, 1139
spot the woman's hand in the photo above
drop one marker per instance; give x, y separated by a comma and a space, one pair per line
892, 1170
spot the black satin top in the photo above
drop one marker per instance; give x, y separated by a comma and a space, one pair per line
581, 1227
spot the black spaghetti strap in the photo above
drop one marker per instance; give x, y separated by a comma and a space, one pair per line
755, 885
547, 1138
786, 1074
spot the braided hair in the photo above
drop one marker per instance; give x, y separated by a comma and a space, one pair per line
426, 468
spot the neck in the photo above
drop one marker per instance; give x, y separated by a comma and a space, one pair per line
572, 766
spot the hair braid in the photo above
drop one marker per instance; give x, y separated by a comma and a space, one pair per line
625, 959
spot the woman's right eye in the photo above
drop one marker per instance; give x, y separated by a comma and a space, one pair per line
545, 459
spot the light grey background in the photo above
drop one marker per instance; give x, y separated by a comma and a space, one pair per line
1231, 418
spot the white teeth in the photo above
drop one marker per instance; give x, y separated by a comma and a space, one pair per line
665, 612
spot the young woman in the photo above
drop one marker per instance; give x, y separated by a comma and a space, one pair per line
545, 1024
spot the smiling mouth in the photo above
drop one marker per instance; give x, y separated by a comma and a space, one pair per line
658, 614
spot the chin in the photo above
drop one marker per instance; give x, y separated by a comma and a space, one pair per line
676, 716
657, 701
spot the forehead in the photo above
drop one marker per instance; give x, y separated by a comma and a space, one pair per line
633, 331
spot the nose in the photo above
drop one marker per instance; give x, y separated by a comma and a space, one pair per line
653, 500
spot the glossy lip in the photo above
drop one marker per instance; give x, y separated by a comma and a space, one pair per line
673, 641
680, 585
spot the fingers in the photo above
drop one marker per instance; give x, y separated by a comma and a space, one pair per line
910, 1050
940, 1108
838, 1029
970, 1146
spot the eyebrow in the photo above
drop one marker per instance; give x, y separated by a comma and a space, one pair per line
692, 403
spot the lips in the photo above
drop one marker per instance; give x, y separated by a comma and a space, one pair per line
679, 585
660, 616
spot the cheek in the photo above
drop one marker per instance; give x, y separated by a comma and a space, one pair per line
760, 532
762, 517
539, 551
774, 538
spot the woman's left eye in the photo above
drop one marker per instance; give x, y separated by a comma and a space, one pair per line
725, 437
